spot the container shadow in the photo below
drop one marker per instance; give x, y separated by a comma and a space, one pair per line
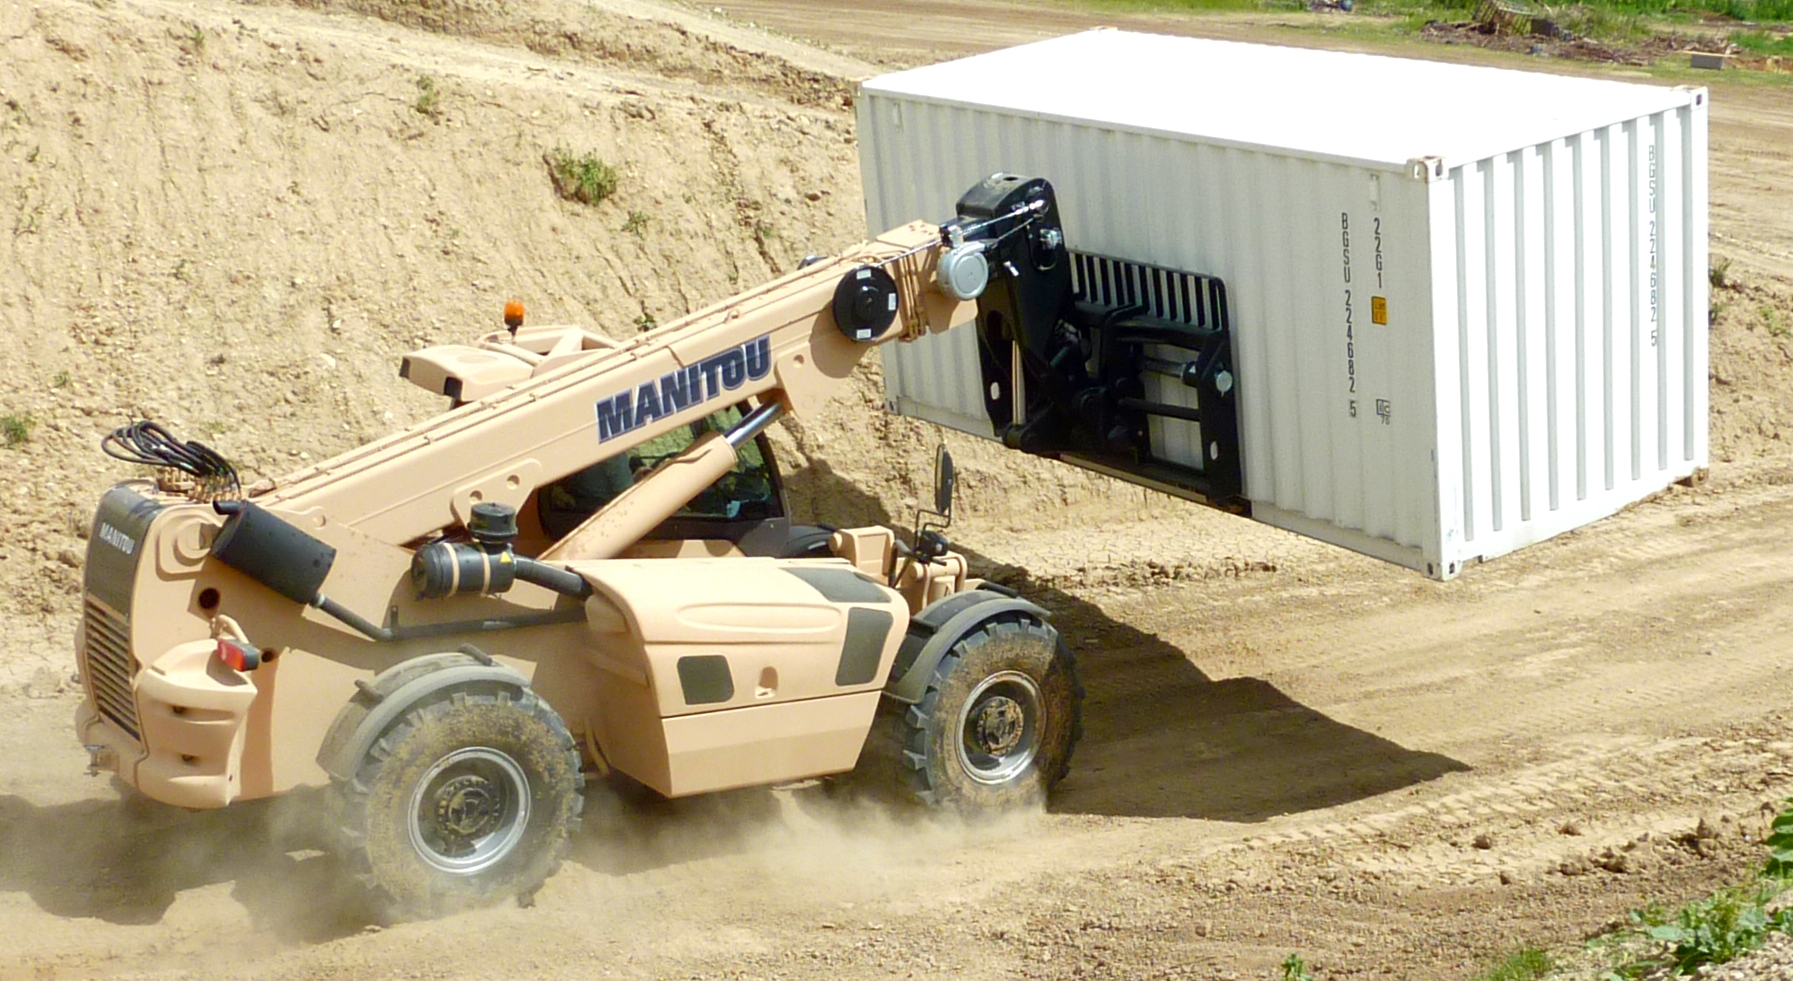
1161, 738
126, 861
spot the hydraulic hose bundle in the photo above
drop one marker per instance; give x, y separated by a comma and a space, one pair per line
208, 476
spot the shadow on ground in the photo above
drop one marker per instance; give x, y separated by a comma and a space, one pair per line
125, 861
1162, 739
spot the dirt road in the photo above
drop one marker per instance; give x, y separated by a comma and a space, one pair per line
1288, 748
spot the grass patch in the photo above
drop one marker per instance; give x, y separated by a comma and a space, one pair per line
580, 177
1529, 964
429, 98
1780, 847
16, 427
1730, 923
1606, 20
1720, 928
1195, 6
1762, 43
637, 223
1295, 969
1718, 274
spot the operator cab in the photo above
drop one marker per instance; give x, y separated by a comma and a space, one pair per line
745, 507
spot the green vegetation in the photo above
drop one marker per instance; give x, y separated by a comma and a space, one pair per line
1780, 847
1604, 20
1719, 274
1198, 6
580, 177
60, 380
1295, 969
1729, 923
1744, 11
1528, 964
429, 98
15, 428
637, 223
1763, 43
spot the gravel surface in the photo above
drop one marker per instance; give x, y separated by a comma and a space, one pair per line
1772, 962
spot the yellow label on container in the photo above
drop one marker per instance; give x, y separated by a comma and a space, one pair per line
1379, 310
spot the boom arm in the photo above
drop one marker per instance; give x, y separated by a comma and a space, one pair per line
778, 343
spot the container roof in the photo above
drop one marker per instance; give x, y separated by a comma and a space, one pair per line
1357, 107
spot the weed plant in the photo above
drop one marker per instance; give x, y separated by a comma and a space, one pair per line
581, 177
1714, 930
15, 427
429, 98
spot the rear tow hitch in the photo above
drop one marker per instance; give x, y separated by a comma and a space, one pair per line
100, 759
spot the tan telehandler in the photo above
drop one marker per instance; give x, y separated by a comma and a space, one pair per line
585, 566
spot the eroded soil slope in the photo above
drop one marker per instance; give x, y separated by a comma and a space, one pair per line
234, 218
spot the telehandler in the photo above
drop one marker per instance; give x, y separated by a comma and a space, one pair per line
585, 565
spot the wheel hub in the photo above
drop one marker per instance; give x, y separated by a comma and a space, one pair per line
469, 811
999, 728
468, 807
999, 725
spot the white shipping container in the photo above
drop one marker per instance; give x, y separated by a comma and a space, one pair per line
1468, 305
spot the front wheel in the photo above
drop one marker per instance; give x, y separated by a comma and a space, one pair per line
467, 800
998, 721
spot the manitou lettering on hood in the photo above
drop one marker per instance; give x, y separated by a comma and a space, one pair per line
678, 390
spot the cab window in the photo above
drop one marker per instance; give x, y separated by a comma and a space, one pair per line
748, 493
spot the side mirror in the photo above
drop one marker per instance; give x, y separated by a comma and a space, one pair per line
945, 480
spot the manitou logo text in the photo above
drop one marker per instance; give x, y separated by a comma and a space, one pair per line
684, 388
117, 539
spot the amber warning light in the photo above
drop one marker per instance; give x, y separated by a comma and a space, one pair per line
513, 315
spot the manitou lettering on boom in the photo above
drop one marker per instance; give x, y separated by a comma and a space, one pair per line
678, 390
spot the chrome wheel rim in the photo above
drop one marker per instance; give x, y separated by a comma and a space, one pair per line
469, 810
999, 728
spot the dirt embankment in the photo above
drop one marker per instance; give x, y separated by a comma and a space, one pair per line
234, 219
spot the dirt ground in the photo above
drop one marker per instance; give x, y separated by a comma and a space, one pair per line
234, 217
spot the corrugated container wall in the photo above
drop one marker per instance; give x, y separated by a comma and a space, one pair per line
1468, 305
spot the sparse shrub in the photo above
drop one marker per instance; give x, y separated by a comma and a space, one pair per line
1719, 274
1720, 928
60, 380
15, 427
1771, 318
1780, 845
1295, 969
1529, 964
637, 223
646, 321
1713, 931
580, 177
429, 98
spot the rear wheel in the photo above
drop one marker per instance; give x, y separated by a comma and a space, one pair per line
998, 721
466, 801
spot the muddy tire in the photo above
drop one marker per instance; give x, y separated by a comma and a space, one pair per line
467, 800
998, 721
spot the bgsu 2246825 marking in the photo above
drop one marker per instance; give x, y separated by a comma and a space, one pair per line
1350, 326
676, 391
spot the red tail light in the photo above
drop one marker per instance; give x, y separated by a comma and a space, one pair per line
238, 656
